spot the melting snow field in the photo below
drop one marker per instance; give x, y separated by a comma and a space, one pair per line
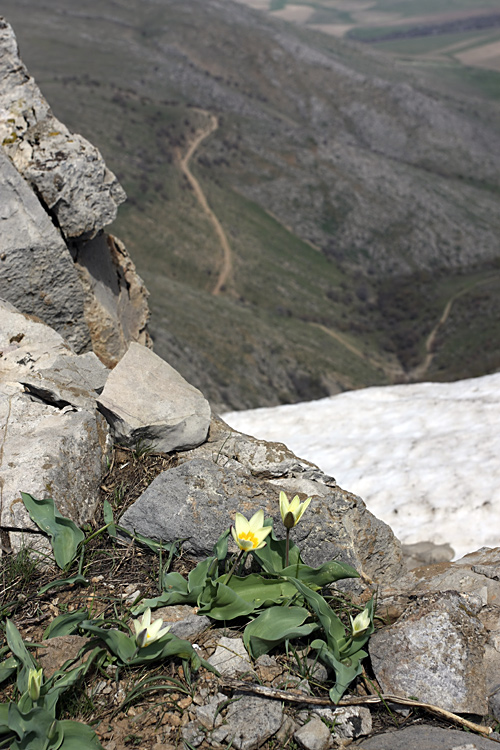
425, 458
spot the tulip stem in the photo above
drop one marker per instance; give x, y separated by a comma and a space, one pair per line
287, 549
230, 574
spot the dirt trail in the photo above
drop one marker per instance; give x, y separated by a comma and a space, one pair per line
227, 262
420, 370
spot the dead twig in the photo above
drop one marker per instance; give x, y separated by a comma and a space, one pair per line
293, 697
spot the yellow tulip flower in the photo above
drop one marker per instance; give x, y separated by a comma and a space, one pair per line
292, 512
250, 534
35, 677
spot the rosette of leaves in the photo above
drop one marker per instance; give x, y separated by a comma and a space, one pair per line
31, 723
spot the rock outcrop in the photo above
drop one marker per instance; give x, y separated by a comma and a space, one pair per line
56, 196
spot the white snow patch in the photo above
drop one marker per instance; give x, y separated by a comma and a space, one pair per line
425, 457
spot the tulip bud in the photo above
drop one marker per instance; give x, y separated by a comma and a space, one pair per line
34, 683
289, 521
52, 730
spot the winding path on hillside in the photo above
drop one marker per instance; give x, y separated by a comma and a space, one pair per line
420, 370
227, 259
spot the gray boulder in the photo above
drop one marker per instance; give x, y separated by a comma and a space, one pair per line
426, 738
146, 400
435, 653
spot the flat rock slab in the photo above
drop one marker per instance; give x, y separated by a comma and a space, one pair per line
250, 721
314, 735
426, 738
435, 653
231, 658
146, 400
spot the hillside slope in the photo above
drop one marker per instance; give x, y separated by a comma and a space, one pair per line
356, 199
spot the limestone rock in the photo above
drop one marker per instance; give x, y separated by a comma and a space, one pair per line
250, 721
66, 171
314, 735
183, 620
53, 439
426, 738
32, 255
115, 298
146, 399
56, 651
197, 500
435, 653
231, 658
349, 721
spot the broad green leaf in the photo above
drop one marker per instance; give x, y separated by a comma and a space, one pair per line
220, 547
176, 592
63, 582
107, 512
327, 573
20, 654
64, 534
274, 626
7, 668
64, 679
261, 591
222, 603
272, 557
66, 624
32, 728
346, 670
120, 644
330, 623
198, 576
4, 717
78, 736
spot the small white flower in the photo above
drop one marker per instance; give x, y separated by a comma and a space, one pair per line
360, 623
146, 632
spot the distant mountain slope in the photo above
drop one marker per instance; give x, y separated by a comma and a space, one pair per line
356, 198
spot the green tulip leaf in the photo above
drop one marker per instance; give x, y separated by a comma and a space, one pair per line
32, 728
20, 654
63, 582
107, 513
327, 573
274, 626
77, 736
261, 591
65, 535
222, 603
272, 557
220, 547
120, 644
67, 623
346, 670
7, 668
331, 624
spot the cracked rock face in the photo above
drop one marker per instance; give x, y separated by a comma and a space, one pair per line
52, 439
435, 652
66, 171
